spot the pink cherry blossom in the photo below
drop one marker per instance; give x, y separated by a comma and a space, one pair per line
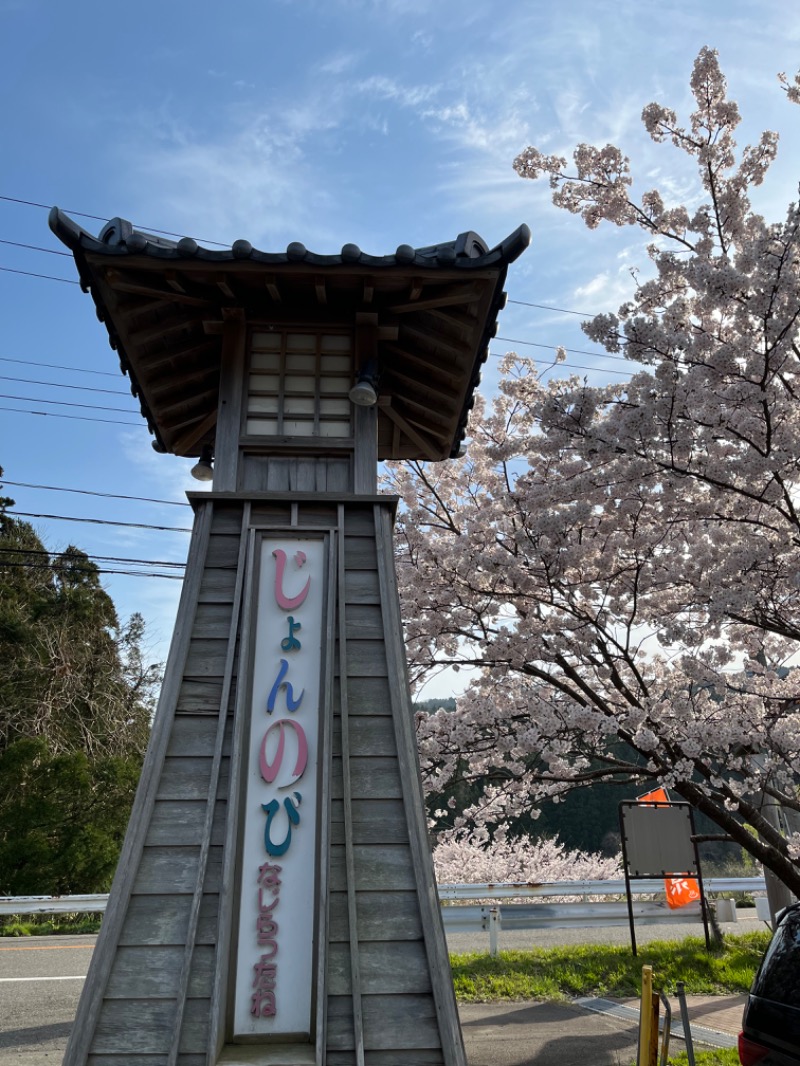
622, 564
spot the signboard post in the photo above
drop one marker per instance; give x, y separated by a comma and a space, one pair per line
658, 841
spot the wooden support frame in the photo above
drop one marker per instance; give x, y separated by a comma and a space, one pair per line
414, 799
103, 957
231, 401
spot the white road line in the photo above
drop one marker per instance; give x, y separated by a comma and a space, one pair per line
12, 980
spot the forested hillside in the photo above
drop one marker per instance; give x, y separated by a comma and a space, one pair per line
76, 699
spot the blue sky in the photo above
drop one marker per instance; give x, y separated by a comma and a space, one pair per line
379, 122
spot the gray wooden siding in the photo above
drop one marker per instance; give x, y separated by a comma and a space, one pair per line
295, 474
390, 1017
395, 991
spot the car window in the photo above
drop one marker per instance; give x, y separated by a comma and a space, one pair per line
779, 976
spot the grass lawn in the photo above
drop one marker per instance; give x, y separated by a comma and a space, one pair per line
719, 1057
596, 970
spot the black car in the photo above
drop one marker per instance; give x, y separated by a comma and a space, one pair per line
771, 1024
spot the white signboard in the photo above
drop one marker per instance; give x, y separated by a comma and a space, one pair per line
277, 918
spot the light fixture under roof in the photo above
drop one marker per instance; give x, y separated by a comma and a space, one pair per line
364, 393
203, 469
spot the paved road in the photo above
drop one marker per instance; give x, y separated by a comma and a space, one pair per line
41, 979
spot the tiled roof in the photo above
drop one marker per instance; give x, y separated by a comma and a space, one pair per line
160, 299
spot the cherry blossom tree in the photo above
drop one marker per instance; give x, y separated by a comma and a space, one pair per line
473, 857
621, 564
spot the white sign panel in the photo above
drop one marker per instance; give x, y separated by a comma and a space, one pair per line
277, 918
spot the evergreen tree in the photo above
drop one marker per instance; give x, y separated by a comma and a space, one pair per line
76, 699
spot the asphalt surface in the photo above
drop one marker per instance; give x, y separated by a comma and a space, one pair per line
41, 980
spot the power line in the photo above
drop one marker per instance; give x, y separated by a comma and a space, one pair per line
90, 492
574, 351
83, 555
59, 366
35, 248
65, 403
101, 522
30, 274
545, 307
75, 418
99, 218
93, 570
61, 385
575, 366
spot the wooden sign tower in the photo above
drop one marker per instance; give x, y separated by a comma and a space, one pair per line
275, 901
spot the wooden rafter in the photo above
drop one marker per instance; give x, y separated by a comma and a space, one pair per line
416, 388
188, 439
425, 445
160, 329
166, 383
152, 362
173, 280
428, 367
463, 323
437, 342
449, 296
120, 283
198, 400
225, 288
271, 285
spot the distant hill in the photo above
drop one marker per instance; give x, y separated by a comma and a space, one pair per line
430, 706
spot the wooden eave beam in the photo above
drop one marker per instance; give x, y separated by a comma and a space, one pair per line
188, 439
429, 367
160, 329
199, 399
147, 363
461, 351
225, 288
167, 381
424, 416
271, 284
449, 297
466, 325
173, 280
145, 307
188, 418
117, 282
413, 387
424, 424
425, 445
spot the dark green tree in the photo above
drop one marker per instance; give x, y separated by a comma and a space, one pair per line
76, 700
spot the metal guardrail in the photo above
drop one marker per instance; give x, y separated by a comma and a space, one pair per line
470, 918
53, 904
653, 886
580, 913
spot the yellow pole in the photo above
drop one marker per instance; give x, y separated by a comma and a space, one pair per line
646, 1018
